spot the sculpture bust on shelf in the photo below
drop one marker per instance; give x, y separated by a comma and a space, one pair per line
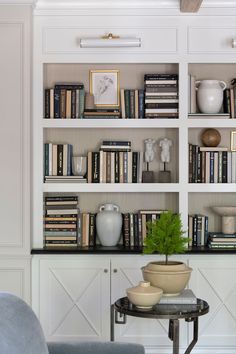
165, 144
148, 176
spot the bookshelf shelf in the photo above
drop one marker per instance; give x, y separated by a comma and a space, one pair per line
211, 187
111, 188
111, 123
212, 123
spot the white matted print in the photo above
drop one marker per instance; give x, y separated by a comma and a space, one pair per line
104, 85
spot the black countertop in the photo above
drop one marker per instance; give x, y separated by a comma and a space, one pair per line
121, 250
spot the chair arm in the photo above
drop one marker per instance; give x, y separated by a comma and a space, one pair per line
94, 347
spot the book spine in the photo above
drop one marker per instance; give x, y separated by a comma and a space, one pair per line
57, 103
126, 230
127, 103
132, 104
47, 103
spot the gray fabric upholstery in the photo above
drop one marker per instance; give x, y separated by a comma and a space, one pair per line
21, 333
20, 330
95, 348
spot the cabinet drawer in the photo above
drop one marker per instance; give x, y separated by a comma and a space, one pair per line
216, 40
66, 40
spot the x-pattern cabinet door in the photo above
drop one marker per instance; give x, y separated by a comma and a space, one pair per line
74, 296
214, 280
125, 273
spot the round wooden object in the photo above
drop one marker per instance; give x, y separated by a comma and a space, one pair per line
211, 137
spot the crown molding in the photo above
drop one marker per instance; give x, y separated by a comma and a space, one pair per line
119, 4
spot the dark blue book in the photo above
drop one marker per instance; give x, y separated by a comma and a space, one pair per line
57, 94
141, 106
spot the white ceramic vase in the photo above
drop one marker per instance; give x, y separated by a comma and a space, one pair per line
210, 95
108, 224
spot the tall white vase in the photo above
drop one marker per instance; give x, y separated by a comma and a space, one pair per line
108, 224
210, 95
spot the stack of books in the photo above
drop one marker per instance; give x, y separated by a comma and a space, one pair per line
221, 240
57, 160
64, 100
101, 114
60, 221
132, 103
211, 165
197, 230
65, 179
186, 297
161, 95
115, 163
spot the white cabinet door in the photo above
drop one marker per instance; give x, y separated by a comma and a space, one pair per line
126, 273
214, 280
15, 276
74, 297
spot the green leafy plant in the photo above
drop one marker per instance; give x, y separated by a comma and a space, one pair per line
165, 235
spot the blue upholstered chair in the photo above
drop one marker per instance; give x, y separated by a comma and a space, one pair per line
21, 333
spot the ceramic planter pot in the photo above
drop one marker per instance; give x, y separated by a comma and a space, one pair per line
171, 278
144, 295
210, 95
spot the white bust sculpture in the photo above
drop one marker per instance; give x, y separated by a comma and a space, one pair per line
165, 145
149, 149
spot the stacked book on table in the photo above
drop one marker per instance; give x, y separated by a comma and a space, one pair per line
186, 297
197, 230
211, 164
101, 114
115, 163
60, 221
221, 240
161, 95
132, 103
64, 100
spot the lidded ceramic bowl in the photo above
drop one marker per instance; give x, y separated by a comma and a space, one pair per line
144, 295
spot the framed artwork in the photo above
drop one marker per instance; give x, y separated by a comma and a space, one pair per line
233, 141
105, 86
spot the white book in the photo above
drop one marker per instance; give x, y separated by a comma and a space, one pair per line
161, 94
50, 158
185, 297
101, 167
208, 148
51, 103
122, 103
193, 98
161, 82
216, 169
233, 178
162, 100
207, 168
161, 110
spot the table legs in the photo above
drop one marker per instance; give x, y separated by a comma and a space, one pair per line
174, 335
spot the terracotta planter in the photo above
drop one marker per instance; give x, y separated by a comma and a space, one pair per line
171, 278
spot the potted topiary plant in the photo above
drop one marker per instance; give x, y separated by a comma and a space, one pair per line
166, 236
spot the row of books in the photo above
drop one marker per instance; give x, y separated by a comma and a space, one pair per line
211, 165
161, 95
197, 230
60, 221
132, 103
64, 100
115, 163
57, 159
221, 240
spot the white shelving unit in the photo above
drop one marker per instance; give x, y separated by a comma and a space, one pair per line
173, 43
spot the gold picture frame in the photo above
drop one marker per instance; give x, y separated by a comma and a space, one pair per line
105, 87
233, 141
